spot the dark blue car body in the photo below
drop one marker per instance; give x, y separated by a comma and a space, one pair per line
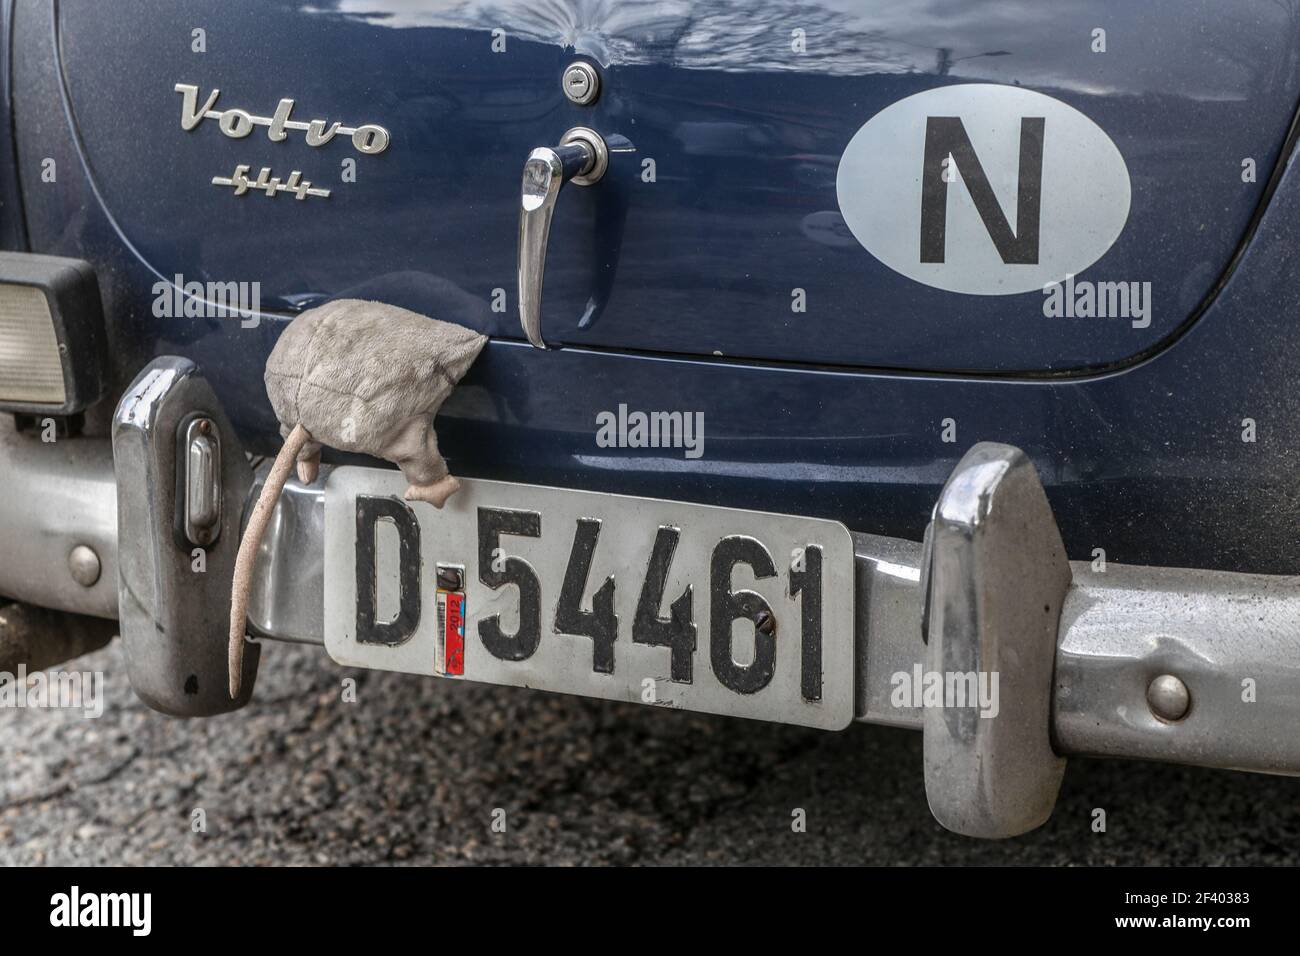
675, 292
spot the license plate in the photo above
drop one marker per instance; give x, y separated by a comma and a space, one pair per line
633, 599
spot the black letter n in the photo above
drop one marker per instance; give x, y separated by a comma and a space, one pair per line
944, 136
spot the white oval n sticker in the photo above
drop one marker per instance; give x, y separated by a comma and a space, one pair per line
983, 189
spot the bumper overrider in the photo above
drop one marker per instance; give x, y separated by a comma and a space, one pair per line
1189, 666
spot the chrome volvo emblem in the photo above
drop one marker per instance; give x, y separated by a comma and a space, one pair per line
238, 123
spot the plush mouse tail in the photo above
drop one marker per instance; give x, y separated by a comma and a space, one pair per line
257, 522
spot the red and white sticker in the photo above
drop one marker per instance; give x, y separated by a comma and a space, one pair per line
450, 660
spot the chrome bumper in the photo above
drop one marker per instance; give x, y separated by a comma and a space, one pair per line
54, 497
985, 580
1119, 630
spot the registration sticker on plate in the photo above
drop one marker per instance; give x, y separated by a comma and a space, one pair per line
634, 599
449, 660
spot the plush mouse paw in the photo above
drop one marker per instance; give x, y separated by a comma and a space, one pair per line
436, 493
308, 470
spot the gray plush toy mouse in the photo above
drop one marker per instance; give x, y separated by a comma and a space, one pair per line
362, 377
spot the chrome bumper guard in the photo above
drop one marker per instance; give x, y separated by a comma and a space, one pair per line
1195, 667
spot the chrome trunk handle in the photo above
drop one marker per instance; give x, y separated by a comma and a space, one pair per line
581, 157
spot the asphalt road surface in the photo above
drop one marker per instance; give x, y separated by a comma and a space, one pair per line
413, 771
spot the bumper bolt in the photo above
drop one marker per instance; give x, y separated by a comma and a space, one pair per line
1168, 698
83, 562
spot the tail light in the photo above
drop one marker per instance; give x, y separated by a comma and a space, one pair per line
51, 335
